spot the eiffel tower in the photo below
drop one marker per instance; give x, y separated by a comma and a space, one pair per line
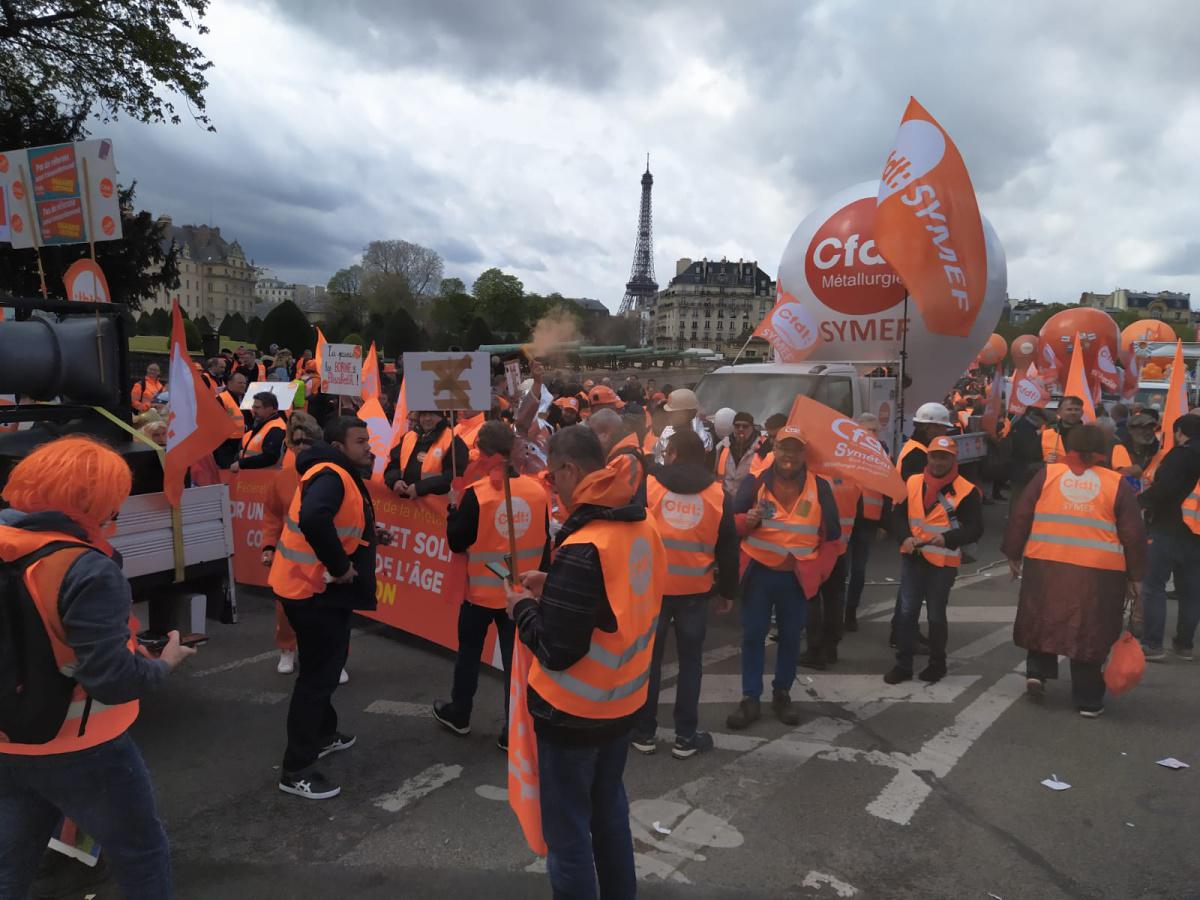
642, 288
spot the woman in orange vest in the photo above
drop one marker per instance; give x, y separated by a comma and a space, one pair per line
477, 524
66, 750
302, 433
785, 517
426, 459
942, 512
1076, 540
146, 389
467, 431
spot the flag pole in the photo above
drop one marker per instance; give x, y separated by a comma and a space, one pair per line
743, 350
903, 368
513, 573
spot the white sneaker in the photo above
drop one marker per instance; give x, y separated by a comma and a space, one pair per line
344, 677
287, 662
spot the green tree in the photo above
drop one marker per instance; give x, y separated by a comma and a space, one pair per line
353, 338
420, 267
234, 326
1185, 331
402, 335
451, 287
287, 326
254, 329
203, 326
192, 335
160, 323
500, 299
477, 333
452, 313
121, 56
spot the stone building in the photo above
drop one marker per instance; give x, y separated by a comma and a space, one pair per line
714, 306
1172, 307
215, 278
272, 290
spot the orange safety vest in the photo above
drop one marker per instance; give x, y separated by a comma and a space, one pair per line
648, 443
909, 446
845, 494
237, 421
795, 532
1191, 510
688, 525
872, 505
529, 503
611, 679
1120, 457
467, 430
758, 464
924, 525
434, 457
1075, 520
252, 441
296, 573
143, 392
1052, 442
89, 723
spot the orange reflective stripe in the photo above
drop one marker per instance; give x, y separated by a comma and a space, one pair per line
1191, 510
529, 503
1075, 520
846, 494
433, 461
688, 525
872, 504
924, 525
252, 441
794, 533
1051, 442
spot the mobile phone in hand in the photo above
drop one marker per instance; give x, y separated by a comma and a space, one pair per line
499, 570
194, 640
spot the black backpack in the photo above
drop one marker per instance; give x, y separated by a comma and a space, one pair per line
34, 695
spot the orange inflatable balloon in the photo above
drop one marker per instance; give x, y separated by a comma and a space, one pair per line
993, 351
1095, 328
1145, 330
1023, 349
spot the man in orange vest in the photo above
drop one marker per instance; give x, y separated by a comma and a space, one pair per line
477, 524
145, 389
568, 410
249, 366
422, 463
783, 516
868, 525
1070, 415
695, 521
942, 513
624, 452
323, 571
65, 744
239, 420
262, 445
589, 623
742, 454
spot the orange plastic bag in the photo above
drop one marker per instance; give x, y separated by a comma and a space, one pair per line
1126, 664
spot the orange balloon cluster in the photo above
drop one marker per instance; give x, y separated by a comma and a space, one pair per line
1145, 330
1023, 350
993, 351
1095, 328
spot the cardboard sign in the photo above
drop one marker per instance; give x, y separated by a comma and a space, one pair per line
284, 391
61, 194
446, 381
512, 375
341, 370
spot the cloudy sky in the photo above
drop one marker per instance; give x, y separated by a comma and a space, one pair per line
514, 133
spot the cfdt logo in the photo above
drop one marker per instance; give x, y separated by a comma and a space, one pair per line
843, 268
682, 511
1079, 489
522, 518
1027, 392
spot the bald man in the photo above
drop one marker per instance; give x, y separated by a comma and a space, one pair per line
623, 451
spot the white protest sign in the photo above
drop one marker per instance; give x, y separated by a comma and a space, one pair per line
512, 373
284, 391
446, 381
341, 369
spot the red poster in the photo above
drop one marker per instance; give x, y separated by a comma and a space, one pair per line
62, 221
53, 171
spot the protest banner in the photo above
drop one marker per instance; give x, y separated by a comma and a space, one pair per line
512, 377
838, 446
448, 381
248, 492
284, 391
341, 370
61, 194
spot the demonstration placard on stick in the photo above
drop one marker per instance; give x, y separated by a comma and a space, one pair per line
341, 370
284, 391
448, 381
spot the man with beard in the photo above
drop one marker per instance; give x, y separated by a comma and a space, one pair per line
568, 408
737, 455
262, 445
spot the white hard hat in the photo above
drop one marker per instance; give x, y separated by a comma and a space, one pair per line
723, 422
682, 399
932, 414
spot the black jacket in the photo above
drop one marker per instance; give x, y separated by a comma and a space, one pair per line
558, 629
1026, 450
320, 499
1163, 501
411, 473
272, 446
462, 525
691, 479
969, 515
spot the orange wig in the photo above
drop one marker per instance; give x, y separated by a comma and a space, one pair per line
78, 476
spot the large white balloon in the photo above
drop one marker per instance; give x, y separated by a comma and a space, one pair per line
831, 267
723, 422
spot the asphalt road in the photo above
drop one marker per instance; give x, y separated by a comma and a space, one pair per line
906, 792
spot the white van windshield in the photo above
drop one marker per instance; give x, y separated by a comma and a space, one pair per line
764, 394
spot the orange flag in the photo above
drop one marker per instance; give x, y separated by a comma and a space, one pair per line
1027, 390
789, 327
379, 433
840, 447
1176, 404
319, 356
399, 417
196, 425
1077, 385
523, 785
927, 224
370, 375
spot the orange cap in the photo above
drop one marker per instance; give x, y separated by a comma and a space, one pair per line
604, 396
794, 432
567, 403
944, 445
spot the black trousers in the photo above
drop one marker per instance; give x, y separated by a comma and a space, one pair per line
473, 623
825, 611
322, 644
1087, 679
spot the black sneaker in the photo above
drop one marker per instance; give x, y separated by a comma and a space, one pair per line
897, 675
644, 743
502, 740
851, 620
812, 659
449, 716
337, 743
933, 672
700, 742
310, 785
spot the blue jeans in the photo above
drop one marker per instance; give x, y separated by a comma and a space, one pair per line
1165, 554
763, 589
922, 582
857, 555
690, 615
585, 819
106, 791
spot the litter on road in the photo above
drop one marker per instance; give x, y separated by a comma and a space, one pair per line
1054, 784
1172, 763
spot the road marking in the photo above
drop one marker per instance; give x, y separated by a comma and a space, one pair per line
258, 698
985, 644
740, 743
817, 880
989, 614
491, 792
899, 801
398, 708
417, 787
837, 689
237, 664
715, 655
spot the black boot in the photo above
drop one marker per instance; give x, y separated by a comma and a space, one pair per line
939, 634
851, 620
